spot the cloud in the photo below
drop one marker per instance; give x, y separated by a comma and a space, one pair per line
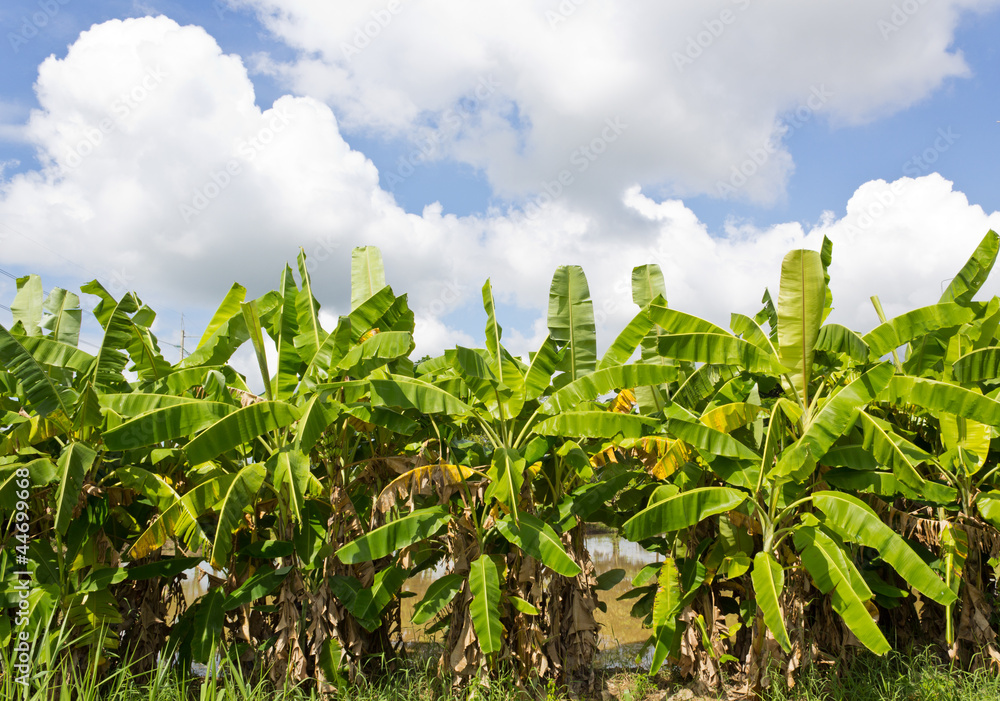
159, 173
701, 86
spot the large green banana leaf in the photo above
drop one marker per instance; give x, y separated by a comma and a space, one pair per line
942, 396
677, 322
291, 468
594, 424
543, 364
375, 352
835, 575
484, 583
627, 341
539, 540
666, 608
910, 326
506, 475
317, 415
751, 331
709, 439
856, 519
311, 334
801, 301
48, 351
768, 581
571, 320
367, 274
43, 394
237, 498
439, 594
834, 419
973, 274
181, 417
978, 365
229, 308
286, 379
28, 304
602, 382
62, 316
239, 428
181, 517
73, 465
407, 530
681, 511
647, 284
902, 457
718, 349
840, 339
412, 393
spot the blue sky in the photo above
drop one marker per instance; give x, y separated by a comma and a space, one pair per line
909, 96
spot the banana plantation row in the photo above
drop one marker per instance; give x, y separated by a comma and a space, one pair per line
807, 488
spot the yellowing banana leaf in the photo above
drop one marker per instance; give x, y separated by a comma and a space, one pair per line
423, 481
728, 417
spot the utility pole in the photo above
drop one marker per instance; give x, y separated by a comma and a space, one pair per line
182, 335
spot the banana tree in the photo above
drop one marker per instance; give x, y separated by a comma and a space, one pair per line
772, 485
516, 517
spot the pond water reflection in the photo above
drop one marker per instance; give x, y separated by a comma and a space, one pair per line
620, 635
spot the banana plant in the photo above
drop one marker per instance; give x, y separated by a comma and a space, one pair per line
770, 481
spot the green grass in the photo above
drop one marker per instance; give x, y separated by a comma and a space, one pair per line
895, 677
918, 677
